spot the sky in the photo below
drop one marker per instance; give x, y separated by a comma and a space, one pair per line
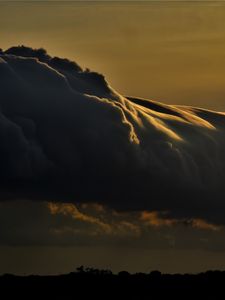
171, 52
97, 211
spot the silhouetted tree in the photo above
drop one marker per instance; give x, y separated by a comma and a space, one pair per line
124, 274
80, 269
155, 274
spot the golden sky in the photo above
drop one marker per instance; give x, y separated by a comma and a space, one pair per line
172, 52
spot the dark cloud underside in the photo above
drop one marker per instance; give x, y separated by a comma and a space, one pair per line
67, 136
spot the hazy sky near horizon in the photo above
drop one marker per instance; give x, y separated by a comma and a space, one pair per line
171, 52
48, 238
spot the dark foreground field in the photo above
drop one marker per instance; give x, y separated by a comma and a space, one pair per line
103, 284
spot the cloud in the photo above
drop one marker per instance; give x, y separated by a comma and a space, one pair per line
154, 219
67, 136
36, 223
69, 209
160, 219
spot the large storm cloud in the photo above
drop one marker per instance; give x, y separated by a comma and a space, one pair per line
66, 135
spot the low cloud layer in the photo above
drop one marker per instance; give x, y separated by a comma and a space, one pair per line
67, 136
35, 223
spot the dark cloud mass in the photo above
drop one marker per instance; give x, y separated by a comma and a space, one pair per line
67, 136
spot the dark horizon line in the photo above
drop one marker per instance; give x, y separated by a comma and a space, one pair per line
109, 286
96, 272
